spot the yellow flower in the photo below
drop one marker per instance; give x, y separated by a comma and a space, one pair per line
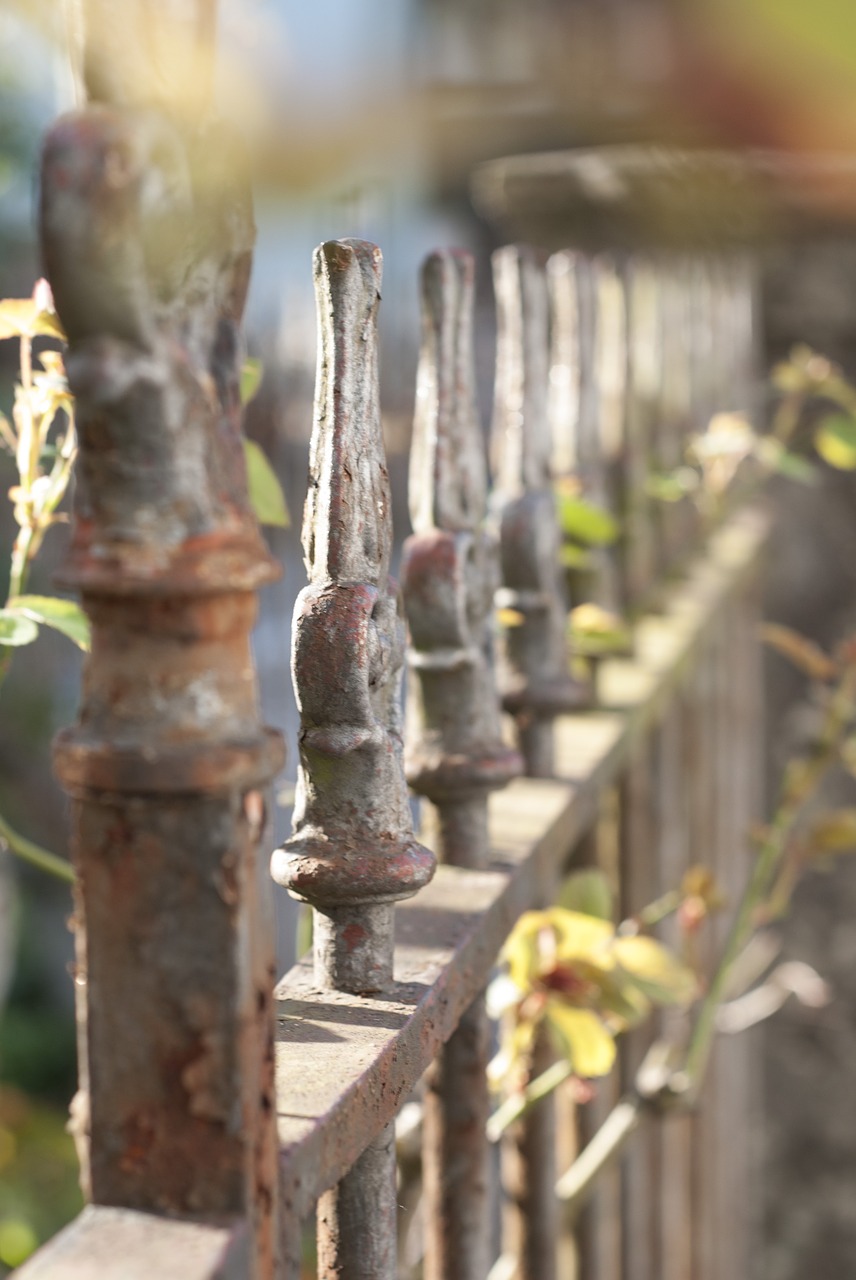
573, 974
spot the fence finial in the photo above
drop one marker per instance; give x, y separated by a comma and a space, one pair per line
455, 753
535, 676
149, 263
353, 852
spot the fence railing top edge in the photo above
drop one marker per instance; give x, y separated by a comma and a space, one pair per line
124, 1244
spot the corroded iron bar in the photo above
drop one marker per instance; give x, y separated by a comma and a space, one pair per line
450, 571
356, 1219
147, 236
644, 337
611, 378
353, 853
455, 753
534, 675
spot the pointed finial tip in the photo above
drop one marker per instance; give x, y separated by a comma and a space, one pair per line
337, 259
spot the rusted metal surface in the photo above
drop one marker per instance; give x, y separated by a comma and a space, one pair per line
353, 853
147, 235
534, 676
356, 1219
455, 752
123, 1244
450, 571
345, 1066
529, 1182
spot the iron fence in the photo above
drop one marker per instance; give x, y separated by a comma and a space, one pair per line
220, 1108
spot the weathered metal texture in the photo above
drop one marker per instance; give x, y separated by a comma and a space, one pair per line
645, 342
147, 236
455, 755
534, 671
531, 1221
123, 1244
608, 479
356, 1219
353, 852
676, 519
345, 1065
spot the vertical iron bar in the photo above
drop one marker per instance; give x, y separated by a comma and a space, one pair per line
638, 878
535, 681
609, 478
529, 1181
353, 853
147, 235
644, 337
455, 753
674, 853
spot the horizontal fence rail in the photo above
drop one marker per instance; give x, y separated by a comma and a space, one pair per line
220, 1110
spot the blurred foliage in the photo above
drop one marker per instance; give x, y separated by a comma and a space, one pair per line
39, 1192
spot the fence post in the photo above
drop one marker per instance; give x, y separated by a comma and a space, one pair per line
353, 852
534, 677
147, 236
455, 753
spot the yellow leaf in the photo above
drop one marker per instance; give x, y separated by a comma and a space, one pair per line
579, 936
582, 1037
22, 318
658, 973
510, 617
835, 441
835, 832
521, 951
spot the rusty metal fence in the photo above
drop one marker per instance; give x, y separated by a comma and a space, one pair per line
221, 1107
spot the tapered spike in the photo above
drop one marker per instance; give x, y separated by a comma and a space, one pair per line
448, 480
450, 569
534, 675
521, 437
353, 852
347, 527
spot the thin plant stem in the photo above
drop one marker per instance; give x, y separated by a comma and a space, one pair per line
519, 1103
33, 853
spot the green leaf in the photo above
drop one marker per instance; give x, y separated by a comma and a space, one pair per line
671, 486
835, 441
252, 372
16, 629
588, 892
63, 615
585, 522
574, 557
266, 496
774, 456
